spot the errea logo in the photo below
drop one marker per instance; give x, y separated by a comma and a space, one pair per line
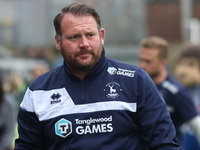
55, 98
63, 128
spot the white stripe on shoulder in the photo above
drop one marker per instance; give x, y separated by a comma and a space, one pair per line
171, 87
43, 100
27, 102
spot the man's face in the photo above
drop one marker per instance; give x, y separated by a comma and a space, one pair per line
150, 62
81, 42
187, 71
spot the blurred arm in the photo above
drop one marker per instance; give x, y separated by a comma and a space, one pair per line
195, 126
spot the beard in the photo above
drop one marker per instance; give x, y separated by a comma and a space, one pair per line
154, 74
76, 65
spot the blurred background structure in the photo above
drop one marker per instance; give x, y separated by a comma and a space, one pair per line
27, 32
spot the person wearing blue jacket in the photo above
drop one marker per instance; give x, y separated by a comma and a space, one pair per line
91, 101
153, 59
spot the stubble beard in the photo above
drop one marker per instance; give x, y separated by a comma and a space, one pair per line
154, 75
77, 66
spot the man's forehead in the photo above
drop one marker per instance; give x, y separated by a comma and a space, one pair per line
188, 60
71, 20
72, 17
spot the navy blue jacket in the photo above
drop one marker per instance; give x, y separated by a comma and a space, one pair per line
115, 107
179, 103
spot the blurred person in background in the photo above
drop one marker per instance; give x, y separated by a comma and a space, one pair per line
15, 86
48, 56
7, 119
91, 101
153, 59
187, 71
38, 70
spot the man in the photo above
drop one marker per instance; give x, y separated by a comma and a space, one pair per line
187, 71
92, 102
153, 59
7, 118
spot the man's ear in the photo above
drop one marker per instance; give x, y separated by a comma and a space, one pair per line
102, 35
164, 62
58, 42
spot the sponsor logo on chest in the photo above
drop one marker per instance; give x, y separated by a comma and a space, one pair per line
119, 71
63, 127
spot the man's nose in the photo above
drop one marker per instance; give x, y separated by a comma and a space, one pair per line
83, 42
142, 64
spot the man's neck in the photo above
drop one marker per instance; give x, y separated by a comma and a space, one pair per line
81, 75
161, 77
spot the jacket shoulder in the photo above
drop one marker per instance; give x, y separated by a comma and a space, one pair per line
47, 80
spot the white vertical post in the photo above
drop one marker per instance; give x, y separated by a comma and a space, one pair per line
194, 31
186, 7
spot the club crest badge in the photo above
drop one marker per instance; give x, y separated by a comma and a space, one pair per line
112, 90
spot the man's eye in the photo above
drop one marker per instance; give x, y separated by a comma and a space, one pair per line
90, 35
191, 64
74, 37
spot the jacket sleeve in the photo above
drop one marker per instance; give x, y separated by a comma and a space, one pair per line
29, 127
153, 118
194, 123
